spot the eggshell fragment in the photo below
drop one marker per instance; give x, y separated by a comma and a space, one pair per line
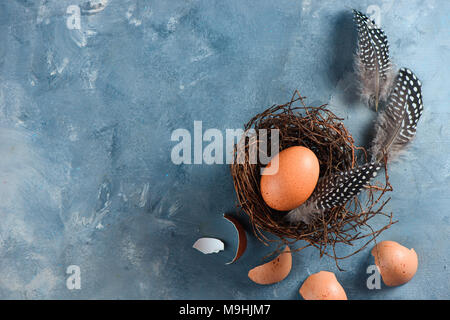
396, 263
273, 271
293, 182
322, 286
208, 245
242, 238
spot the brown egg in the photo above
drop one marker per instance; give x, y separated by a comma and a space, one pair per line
273, 271
322, 286
293, 182
396, 263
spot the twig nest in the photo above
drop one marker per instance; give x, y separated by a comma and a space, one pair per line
321, 131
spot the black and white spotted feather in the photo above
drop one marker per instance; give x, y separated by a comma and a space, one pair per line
334, 190
396, 126
373, 65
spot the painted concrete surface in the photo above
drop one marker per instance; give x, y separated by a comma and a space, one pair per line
91, 91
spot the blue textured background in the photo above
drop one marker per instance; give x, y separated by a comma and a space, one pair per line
85, 123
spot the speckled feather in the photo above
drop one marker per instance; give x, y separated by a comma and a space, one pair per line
373, 64
337, 189
396, 126
334, 190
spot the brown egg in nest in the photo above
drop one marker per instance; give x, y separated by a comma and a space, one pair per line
296, 171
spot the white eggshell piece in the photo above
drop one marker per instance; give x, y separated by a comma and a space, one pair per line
208, 245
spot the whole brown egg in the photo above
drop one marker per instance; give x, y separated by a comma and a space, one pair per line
289, 178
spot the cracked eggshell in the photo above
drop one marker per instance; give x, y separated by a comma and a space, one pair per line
273, 271
208, 245
322, 286
242, 238
396, 263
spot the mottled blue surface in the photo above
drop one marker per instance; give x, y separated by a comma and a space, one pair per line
86, 117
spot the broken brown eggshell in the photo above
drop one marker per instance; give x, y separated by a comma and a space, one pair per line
396, 263
322, 285
242, 238
273, 271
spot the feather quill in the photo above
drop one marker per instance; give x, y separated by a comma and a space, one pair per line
334, 190
372, 63
396, 125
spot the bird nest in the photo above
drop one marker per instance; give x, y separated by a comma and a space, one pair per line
320, 130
